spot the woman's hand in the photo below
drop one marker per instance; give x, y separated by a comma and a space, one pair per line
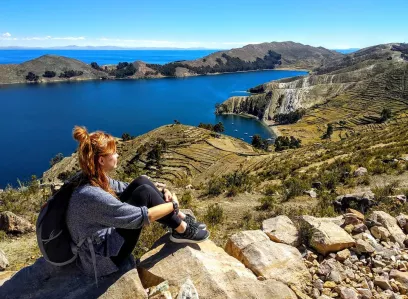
167, 195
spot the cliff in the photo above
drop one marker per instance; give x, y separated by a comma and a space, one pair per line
373, 78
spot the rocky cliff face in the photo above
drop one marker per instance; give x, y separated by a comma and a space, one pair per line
372, 74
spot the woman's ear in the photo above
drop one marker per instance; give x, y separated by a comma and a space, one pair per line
101, 160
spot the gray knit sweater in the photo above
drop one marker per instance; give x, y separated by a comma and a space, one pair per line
93, 212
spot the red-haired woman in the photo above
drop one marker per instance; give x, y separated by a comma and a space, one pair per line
112, 213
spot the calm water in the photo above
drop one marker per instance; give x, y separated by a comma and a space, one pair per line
106, 56
37, 120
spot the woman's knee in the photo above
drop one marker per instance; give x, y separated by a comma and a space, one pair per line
141, 180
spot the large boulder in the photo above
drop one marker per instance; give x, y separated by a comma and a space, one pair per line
46, 281
362, 200
282, 230
325, 236
269, 259
390, 223
11, 223
214, 273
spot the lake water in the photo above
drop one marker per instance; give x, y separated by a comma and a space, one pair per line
36, 121
106, 56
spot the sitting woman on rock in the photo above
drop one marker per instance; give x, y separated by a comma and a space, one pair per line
114, 212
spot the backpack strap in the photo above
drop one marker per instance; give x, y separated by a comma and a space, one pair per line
91, 248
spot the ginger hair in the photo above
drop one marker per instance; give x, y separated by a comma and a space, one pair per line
92, 146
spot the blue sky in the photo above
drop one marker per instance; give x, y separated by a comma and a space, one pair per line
210, 24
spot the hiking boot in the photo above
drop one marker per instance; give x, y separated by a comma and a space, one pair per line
190, 220
192, 235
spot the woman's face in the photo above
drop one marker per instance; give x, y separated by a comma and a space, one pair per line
109, 162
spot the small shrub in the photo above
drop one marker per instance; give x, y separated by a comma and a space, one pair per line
272, 189
267, 203
249, 222
216, 186
149, 235
49, 74
32, 77
214, 214
294, 187
232, 191
186, 200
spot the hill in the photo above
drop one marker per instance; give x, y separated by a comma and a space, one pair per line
349, 91
251, 57
16, 73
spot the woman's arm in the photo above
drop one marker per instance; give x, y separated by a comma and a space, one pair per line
160, 211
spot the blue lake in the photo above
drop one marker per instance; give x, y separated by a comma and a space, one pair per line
36, 121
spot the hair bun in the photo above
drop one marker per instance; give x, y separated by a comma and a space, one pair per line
80, 134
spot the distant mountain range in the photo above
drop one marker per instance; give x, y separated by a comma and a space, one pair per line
74, 47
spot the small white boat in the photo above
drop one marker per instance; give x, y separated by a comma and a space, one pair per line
232, 123
251, 136
242, 138
235, 130
245, 133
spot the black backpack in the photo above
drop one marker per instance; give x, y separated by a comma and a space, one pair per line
53, 237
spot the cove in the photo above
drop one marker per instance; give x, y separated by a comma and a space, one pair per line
36, 120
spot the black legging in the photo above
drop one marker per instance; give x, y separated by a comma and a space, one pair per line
141, 192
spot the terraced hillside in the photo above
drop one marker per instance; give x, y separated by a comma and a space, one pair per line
349, 92
192, 155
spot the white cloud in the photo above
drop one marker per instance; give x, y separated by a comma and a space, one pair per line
6, 34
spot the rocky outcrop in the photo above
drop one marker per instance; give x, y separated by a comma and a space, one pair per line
325, 236
269, 259
47, 281
11, 223
391, 224
214, 273
282, 230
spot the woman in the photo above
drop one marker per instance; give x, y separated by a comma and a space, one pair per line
113, 213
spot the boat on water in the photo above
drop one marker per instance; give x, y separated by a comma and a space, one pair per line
242, 138
235, 130
232, 123
245, 133
251, 136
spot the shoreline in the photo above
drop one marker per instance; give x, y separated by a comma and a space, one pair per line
271, 127
145, 78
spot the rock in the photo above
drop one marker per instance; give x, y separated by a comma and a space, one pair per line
11, 223
329, 284
214, 273
380, 233
341, 256
402, 220
361, 171
350, 218
325, 236
365, 293
364, 247
363, 200
3, 261
359, 228
299, 293
359, 215
188, 290
401, 277
282, 230
347, 293
48, 281
160, 288
311, 193
390, 223
382, 282
269, 259
349, 228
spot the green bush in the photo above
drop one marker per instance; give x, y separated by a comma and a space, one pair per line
216, 186
294, 187
268, 203
214, 214
272, 189
186, 200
